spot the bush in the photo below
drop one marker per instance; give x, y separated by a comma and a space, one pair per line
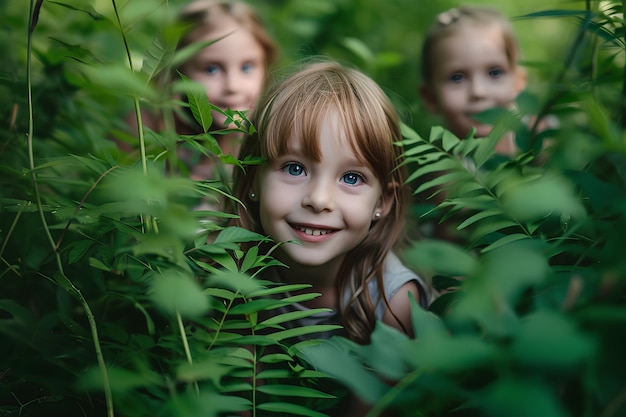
112, 301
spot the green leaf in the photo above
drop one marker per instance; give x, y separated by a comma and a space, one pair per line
157, 58
234, 234
335, 357
358, 48
289, 409
250, 258
255, 306
120, 380
418, 149
211, 370
235, 281
279, 289
387, 352
547, 195
220, 293
426, 324
301, 331
410, 135
481, 215
563, 346
119, 79
449, 140
276, 358
519, 398
226, 260
293, 391
442, 179
439, 258
198, 102
494, 225
434, 167
98, 264
176, 291
505, 241
292, 316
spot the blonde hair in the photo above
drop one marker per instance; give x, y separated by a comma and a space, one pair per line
204, 16
297, 107
452, 20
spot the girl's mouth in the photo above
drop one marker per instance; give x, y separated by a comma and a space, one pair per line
312, 231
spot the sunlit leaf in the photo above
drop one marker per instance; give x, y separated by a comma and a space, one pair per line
198, 103
174, 291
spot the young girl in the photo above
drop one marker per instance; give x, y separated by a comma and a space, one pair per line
332, 191
469, 65
233, 70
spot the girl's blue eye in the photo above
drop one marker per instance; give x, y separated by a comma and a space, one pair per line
212, 69
496, 72
352, 178
457, 78
294, 169
246, 68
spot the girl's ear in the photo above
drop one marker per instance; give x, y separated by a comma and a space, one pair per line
385, 203
521, 80
428, 98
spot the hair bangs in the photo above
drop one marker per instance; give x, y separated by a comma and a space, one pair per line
371, 127
296, 116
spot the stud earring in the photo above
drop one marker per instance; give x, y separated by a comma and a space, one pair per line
252, 195
377, 215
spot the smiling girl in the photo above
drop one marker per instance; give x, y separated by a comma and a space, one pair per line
470, 65
332, 191
233, 70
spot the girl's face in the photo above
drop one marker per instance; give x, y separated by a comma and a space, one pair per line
231, 69
471, 73
326, 206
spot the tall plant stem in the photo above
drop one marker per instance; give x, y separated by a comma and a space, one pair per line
61, 279
183, 335
137, 107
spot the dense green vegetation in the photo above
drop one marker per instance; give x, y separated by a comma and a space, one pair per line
112, 302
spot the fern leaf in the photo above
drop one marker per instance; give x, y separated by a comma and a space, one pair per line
293, 391
289, 409
156, 58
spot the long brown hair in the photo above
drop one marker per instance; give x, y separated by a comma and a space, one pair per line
296, 107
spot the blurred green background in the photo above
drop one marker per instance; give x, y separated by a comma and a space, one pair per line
382, 38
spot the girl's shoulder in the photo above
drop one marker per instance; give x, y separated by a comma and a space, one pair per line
396, 275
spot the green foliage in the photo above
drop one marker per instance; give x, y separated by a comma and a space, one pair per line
533, 303
114, 300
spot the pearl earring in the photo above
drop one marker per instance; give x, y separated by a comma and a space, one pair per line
377, 215
252, 195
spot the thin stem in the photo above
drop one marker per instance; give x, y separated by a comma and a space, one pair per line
137, 107
61, 279
183, 335
80, 205
10, 232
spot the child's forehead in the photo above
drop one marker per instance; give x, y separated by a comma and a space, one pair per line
330, 135
486, 42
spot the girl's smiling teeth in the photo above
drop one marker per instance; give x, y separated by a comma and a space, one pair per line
312, 231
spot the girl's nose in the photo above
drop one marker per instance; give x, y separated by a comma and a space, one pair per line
478, 87
232, 80
318, 196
